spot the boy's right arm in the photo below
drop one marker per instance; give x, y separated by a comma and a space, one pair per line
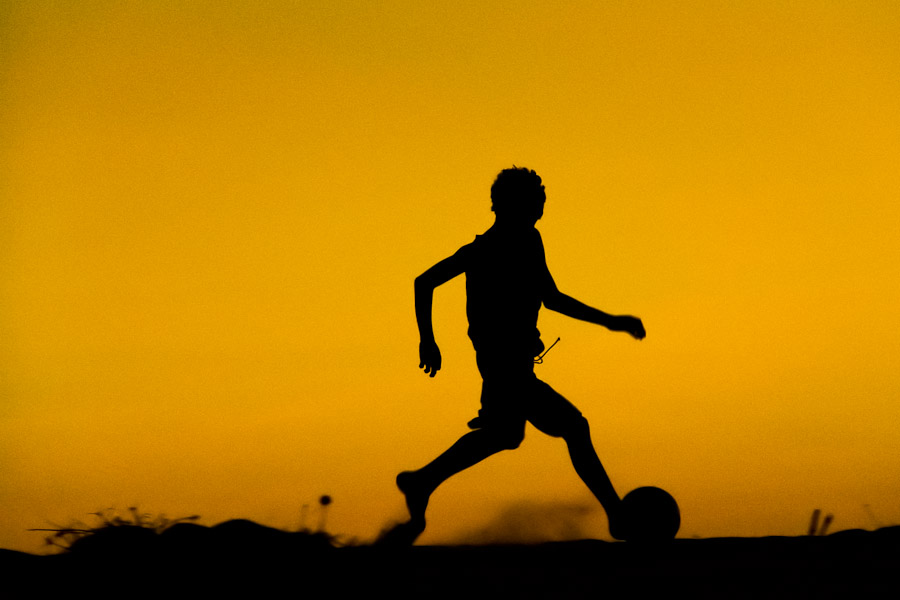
439, 274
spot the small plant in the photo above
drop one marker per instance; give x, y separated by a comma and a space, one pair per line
64, 537
324, 501
814, 528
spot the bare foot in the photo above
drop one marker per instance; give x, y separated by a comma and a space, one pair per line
416, 497
401, 534
618, 524
618, 531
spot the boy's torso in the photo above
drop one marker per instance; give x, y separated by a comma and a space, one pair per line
506, 276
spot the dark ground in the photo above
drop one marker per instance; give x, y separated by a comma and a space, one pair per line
240, 557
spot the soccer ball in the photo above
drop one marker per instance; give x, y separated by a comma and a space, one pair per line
651, 515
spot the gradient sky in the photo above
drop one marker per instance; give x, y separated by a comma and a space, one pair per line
211, 215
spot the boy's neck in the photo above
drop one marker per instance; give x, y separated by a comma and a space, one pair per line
512, 227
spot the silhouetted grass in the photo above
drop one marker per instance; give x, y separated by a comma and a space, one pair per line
65, 538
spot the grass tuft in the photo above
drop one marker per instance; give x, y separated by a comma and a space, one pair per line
63, 538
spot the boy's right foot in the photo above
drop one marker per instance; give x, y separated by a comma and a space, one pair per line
416, 497
618, 524
618, 531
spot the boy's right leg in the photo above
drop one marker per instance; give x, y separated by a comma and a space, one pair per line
591, 471
552, 414
468, 450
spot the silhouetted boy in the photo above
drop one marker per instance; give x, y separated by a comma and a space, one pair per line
507, 281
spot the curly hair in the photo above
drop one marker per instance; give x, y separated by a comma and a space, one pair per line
518, 190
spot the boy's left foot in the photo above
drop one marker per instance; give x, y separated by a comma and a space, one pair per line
416, 497
401, 534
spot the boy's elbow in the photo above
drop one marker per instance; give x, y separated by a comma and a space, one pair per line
423, 283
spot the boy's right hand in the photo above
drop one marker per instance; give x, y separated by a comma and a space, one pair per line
429, 357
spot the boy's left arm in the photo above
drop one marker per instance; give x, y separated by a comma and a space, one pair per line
571, 307
559, 302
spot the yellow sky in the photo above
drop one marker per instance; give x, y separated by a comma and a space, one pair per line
211, 216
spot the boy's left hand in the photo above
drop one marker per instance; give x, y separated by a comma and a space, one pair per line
633, 326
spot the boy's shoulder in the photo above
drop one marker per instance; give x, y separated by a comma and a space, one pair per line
491, 242
492, 236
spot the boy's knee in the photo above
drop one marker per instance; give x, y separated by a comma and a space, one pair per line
509, 438
577, 427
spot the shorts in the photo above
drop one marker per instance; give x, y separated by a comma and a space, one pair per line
511, 395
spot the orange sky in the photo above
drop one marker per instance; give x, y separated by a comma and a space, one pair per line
211, 216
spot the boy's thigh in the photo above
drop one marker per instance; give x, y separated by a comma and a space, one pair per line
550, 412
501, 406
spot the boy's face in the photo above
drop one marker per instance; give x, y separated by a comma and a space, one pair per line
535, 215
525, 216
528, 218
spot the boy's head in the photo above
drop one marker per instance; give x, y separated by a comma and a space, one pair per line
517, 195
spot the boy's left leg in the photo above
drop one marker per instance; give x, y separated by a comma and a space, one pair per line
468, 450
